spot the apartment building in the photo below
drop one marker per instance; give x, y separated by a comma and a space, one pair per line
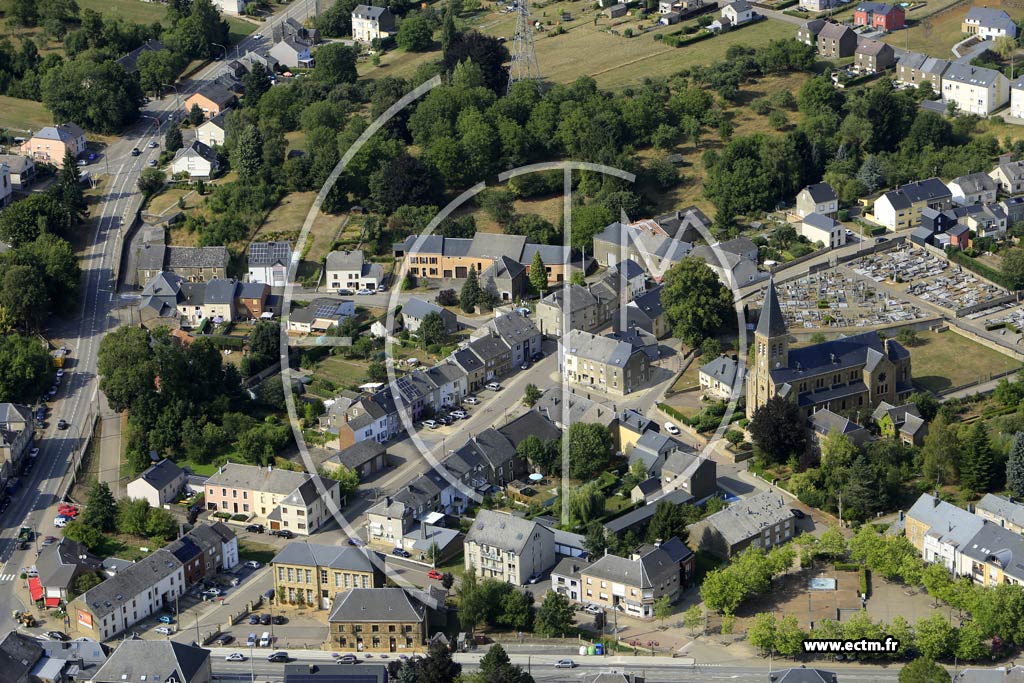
508, 548
762, 521
313, 574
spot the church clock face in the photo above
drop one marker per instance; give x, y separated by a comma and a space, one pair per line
881, 377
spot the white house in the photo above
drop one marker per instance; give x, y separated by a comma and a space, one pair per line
268, 262
817, 198
212, 131
989, 23
233, 7
158, 484
818, 228
1017, 98
197, 159
1009, 175
370, 23
634, 275
975, 89
738, 12
973, 188
6, 187
350, 270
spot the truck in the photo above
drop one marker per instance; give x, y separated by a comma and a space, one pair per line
25, 536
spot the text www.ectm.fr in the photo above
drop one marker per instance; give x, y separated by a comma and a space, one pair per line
889, 644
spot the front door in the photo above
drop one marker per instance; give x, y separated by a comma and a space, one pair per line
391, 644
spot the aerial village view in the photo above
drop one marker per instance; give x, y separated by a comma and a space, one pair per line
515, 341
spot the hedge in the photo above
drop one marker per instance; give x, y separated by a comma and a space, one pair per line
678, 41
847, 566
240, 517
794, 13
222, 342
865, 581
979, 268
222, 515
672, 412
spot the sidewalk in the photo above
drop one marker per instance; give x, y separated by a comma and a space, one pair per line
110, 447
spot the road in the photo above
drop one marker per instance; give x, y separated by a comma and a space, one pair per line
76, 400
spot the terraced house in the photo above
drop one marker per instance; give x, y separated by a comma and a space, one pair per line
437, 257
313, 574
280, 499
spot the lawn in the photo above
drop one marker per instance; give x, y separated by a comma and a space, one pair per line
342, 372
934, 30
251, 550
945, 360
397, 63
286, 219
23, 115
132, 11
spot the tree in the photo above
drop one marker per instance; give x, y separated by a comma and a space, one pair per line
594, 541
590, 444
698, 302
935, 636
517, 610
400, 181
977, 469
531, 395
588, 221
789, 637
132, 514
151, 181
256, 83
777, 430
693, 617
538, 274
247, 156
432, 330
336, 64
447, 297
1015, 466
25, 368
416, 32
84, 582
495, 667
554, 616
926, 404
157, 69
24, 12
970, 641
196, 115
487, 52
348, 479
470, 293
662, 609
126, 365
761, 632
68, 192
670, 520
722, 591
161, 525
541, 455
86, 534
940, 452
438, 666
24, 296
1013, 267
95, 94
585, 503
101, 512
923, 670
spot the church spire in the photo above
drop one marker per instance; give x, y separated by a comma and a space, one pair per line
771, 323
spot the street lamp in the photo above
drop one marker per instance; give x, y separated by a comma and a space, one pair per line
177, 95
223, 48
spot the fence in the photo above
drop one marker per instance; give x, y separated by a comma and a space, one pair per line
75, 461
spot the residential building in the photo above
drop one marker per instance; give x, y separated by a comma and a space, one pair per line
941, 531
1013, 207
738, 12
64, 661
685, 470
280, 499
824, 422
734, 261
350, 270
494, 354
380, 620
570, 306
1006, 512
59, 566
975, 89
371, 23
652, 448
845, 374
211, 99
168, 300
232, 7
196, 159
130, 61
415, 310
820, 229
387, 522
631, 585
988, 23
808, 31
365, 458
6, 186
986, 220
16, 438
293, 52
518, 332
506, 279
1009, 175
438, 257
818, 5
901, 208
155, 660
213, 131
50, 144
638, 518
213, 300
646, 491
195, 264
873, 56
219, 545
879, 15
252, 299
314, 574
915, 69
1017, 98
818, 198
371, 416
148, 586
21, 168
268, 262
993, 556
656, 244
319, 316
508, 548
901, 422
565, 577
19, 653
628, 427
763, 520
159, 484
836, 41
645, 312
632, 279
603, 364
973, 188
469, 364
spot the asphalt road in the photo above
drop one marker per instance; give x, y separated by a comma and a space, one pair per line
77, 398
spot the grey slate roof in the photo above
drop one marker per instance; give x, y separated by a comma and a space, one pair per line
418, 309
491, 245
527, 424
359, 453
748, 517
1003, 507
65, 132
217, 94
345, 260
505, 531
972, 75
946, 522
825, 421
838, 354
197, 257
274, 480
872, 47
368, 11
722, 369
331, 556
376, 604
997, 545
198, 148
58, 563
161, 474
834, 31
988, 17
771, 322
156, 660
488, 348
18, 654
17, 163
821, 193
597, 348
130, 60
124, 586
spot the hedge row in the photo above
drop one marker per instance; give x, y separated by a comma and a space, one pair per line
847, 566
865, 581
987, 272
680, 41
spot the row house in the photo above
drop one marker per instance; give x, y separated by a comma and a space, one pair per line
915, 69
438, 257
17, 436
975, 89
901, 208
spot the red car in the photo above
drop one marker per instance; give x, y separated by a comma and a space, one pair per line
68, 510
434, 574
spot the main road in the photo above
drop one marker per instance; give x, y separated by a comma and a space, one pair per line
78, 398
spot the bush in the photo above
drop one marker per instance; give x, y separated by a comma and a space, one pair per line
865, 581
222, 515
847, 566
239, 517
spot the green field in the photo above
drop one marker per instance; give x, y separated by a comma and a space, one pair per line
22, 115
935, 30
132, 11
945, 360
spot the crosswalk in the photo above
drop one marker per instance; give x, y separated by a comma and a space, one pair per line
4, 578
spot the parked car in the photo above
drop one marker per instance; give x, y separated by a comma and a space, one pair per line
253, 564
401, 552
347, 659
258, 36
163, 630
83, 162
471, 400
235, 581
223, 640
345, 292
235, 656
278, 620
164, 619
493, 386
253, 620
255, 528
278, 657
381, 288
364, 291
671, 428
879, 240
60, 522
565, 664
432, 424
251, 640
536, 357
58, 635
434, 574
460, 414
212, 593
265, 619
284, 533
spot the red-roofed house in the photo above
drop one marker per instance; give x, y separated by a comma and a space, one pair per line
879, 15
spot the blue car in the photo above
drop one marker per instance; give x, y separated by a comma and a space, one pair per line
166, 620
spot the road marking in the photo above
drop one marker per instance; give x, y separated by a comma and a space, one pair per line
7, 577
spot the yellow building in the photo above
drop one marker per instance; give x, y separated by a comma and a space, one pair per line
378, 620
310, 574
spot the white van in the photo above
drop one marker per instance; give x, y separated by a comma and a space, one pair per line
265, 639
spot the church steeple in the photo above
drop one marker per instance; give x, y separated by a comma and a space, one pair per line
771, 323
771, 350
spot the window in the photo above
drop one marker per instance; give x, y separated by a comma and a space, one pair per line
323, 576
290, 576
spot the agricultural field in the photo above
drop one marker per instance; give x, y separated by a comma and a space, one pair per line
20, 116
945, 360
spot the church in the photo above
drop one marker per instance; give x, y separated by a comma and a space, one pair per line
847, 375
